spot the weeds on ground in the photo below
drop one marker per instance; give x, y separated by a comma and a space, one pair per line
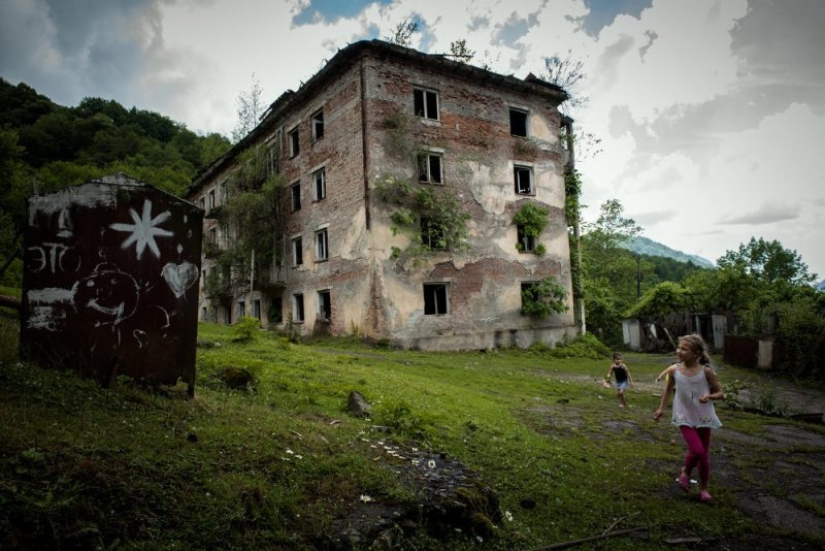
127, 467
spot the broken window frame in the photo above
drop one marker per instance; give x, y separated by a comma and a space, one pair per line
527, 244
295, 194
298, 314
297, 251
319, 178
321, 245
431, 233
519, 122
519, 172
317, 125
294, 143
436, 299
427, 173
426, 104
325, 305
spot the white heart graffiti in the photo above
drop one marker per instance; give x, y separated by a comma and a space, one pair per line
180, 277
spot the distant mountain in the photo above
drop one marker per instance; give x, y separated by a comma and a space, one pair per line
643, 245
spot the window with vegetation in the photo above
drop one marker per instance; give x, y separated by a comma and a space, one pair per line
318, 125
295, 191
541, 299
429, 168
526, 243
433, 234
297, 252
518, 122
436, 299
324, 305
321, 245
433, 213
298, 308
320, 179
294, 143
523, 178
530, 221
426, 104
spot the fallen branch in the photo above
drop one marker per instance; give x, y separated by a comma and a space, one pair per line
618, 520
573, 543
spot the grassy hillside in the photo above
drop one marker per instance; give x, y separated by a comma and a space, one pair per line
283, 465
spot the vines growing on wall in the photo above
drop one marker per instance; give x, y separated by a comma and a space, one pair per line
533, 219
543, 298
431, 214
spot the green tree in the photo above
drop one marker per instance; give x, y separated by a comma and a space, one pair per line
250, 107
610, 270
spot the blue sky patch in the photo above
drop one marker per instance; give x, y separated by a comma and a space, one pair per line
332, 10
604, 12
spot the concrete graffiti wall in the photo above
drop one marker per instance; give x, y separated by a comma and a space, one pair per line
110, 281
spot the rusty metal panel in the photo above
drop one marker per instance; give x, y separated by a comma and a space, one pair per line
110, 281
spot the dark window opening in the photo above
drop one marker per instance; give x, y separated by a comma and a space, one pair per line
523, 180
435, 299
297, 252
298, 308
294, 144
256, 309
296, 196
429, 168
321, 245
426, 104
324, 306
518, 122
275, 314
433, 234
526, 243
318, 125
241, 309
320, 178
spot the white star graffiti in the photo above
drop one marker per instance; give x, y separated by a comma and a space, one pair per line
144, 230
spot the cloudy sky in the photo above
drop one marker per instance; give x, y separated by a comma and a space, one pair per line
709, 112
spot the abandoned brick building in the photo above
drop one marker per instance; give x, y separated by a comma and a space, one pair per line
398, 196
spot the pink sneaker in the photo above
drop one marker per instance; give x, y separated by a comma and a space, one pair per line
704, 497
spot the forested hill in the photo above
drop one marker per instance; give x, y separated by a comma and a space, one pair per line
56, 146
648, 247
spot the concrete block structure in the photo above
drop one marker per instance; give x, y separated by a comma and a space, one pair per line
411, 199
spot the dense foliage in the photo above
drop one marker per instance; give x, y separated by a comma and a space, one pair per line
45, 147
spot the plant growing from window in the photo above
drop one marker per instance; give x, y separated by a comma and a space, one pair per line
446, 220
531, 219
543, 298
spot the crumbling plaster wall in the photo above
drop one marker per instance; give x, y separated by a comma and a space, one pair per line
478, 157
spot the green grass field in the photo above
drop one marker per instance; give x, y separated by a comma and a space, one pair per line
273, 467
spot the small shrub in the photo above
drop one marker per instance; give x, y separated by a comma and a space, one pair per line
246, 329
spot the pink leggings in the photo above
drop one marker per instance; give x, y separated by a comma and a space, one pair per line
698, 443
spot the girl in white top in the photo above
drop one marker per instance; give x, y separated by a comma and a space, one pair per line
693, 411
